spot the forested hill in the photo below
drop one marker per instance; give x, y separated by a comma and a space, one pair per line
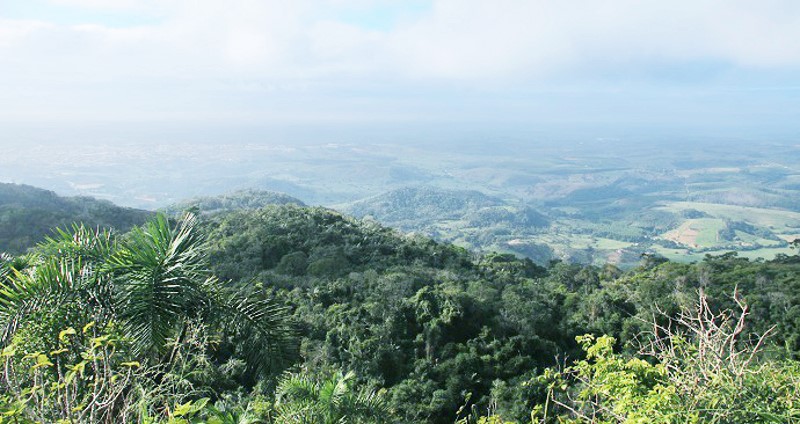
405, 208
238, 200
28, 213
468, 218
375, 326
439, 327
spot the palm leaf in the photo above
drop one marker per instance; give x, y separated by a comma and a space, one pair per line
5, 266
261, 327
301, 398
61, 270
159, 277
44, 288
91, 246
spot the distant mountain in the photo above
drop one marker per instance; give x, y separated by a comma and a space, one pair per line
467, 218
28, 214
239, 200
409, 208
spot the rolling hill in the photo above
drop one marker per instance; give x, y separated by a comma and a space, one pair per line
238, 200
27, 214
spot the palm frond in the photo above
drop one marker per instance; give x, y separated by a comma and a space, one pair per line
234, 416
334, 389
262, 327
366, 404
301, 398
44, 288
5, 266
296, 387
10, 263
91, 246
160, 272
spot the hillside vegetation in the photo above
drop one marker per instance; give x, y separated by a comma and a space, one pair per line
467, 218
434, 325
290, 314
27, 214
603, 224
238, 200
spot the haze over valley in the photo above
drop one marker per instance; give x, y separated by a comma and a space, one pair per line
568, 195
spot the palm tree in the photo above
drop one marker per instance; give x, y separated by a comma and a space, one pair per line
5, 266
301, 399
149, 284
233, 415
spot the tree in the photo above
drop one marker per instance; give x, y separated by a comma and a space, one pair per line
333, 400
700, 369
148, 285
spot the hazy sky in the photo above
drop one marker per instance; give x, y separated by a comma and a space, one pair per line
716, 63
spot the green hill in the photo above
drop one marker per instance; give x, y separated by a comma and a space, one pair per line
467, 218
409, 207
439, 327
27, 214
427, 332
238, 200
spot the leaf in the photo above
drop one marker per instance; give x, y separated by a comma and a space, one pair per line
58, 352
42, 361
64, 333
160, 272
9, 351
190, 408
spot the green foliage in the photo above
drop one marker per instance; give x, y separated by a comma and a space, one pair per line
239, 200
447, 335
28, 214
699, 371
414, 204
422, 319
150, 287
162, 281
91, 377
250, 244
85, 379
430, 323
303, 399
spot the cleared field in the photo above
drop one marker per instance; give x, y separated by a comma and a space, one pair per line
780, 221
609, 244
749, 239
697, 233
679, 255
682, 255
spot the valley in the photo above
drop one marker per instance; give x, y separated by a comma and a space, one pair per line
586, 199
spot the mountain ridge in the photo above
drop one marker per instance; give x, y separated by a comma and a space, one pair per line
28, 214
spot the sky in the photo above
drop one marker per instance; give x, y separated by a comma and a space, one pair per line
710, 63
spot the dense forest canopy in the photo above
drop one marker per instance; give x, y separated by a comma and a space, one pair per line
371, 325
238, 200
28, 214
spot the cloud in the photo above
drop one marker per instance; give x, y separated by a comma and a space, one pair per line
460, 39
307, 46
477, 39
14, 32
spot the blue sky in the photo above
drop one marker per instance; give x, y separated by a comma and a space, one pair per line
713, 63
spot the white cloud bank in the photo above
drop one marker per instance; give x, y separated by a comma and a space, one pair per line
202, 51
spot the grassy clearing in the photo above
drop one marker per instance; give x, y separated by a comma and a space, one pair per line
609, 244
780, 221
697, 233
685, 255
